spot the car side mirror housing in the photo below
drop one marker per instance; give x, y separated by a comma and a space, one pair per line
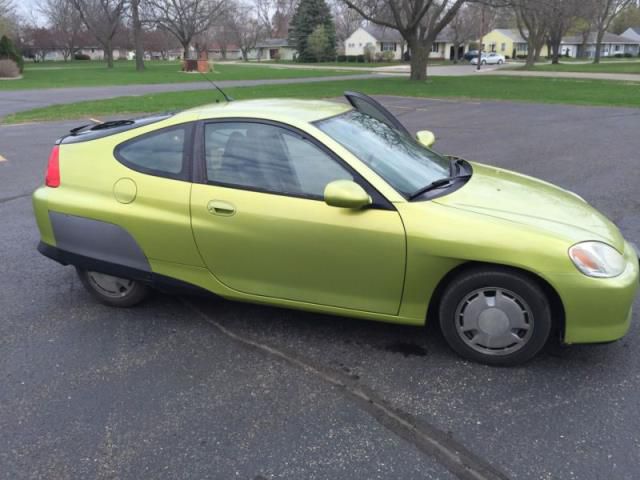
346, 194
426, 138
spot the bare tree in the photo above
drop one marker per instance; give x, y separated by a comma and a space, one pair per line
65, 19
8, 19
136, 24
102, 18
245, 29
464, 27
347, 20
562, 15
274, 16
186, 18
533, 24
605, 12
159, 40
418, 21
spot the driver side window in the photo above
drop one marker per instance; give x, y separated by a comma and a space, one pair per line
268, 158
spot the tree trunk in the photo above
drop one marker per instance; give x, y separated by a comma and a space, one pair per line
185, 47
531, 56
419, 58
555, 55
599, 36
456, 50
137, 35
108, 53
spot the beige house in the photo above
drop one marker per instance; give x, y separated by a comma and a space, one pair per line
275, 49
384, 39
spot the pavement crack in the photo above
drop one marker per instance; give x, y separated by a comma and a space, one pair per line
428, 439
15, 197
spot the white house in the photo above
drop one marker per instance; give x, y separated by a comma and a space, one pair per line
612, 45
384, 39
633, 33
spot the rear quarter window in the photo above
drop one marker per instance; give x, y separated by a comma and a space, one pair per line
162, 153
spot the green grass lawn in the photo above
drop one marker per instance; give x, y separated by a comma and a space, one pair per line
630, 66
93, 73
524, 89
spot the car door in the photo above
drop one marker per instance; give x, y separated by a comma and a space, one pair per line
263, 228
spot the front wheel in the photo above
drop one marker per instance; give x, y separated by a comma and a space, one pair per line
484, 62
496, 316
111, 290
500, 62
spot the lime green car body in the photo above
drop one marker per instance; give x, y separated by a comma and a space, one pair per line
378, 264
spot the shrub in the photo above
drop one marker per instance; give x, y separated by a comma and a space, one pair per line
360, 58
352, 58
9, 69
627, 55
8, 51
81, 56
378, 56
341, 58
388, 56
369, 53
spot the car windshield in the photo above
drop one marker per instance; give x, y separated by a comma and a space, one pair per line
405, 164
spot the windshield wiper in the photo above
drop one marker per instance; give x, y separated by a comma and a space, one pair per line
437, 184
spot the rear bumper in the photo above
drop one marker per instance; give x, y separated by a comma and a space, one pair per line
65, 257
599, 310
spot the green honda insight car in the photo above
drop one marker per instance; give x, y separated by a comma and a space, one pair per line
334, 208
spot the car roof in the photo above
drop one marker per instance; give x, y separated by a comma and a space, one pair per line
283, 109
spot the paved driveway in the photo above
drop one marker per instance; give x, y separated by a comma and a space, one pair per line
205, 388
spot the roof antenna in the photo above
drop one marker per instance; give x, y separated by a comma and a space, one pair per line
226, 97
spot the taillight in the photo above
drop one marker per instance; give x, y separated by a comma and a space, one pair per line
52, 178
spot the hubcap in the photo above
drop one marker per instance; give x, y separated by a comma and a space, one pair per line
114, 287
494, 321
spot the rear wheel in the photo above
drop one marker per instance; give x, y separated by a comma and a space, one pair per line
484, 62
111, 290
500, 62
496, 316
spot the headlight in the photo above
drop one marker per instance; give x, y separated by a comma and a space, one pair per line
597, 259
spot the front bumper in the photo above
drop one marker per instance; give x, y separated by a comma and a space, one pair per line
599, 309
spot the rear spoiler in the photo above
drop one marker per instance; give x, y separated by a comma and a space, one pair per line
93, 131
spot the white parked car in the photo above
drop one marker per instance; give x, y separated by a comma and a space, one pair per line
491, 58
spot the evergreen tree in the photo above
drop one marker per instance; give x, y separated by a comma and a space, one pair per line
8, 51
309, 15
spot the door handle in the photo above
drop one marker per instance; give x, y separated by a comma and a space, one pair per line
218, 207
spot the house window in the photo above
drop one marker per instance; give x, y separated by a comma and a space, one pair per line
503, 47
387, 47
492, 46
521, 47
617, 48
435, 47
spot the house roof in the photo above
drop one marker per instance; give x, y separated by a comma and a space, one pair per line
274, 43
511, 34
388, 34
383, 34
636, 30
608, 38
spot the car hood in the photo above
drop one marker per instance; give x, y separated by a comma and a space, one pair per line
518, 198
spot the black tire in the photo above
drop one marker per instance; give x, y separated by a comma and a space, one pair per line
484, 62
500, 62
134, 293
513, 290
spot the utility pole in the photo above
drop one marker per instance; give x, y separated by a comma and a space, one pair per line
481, 37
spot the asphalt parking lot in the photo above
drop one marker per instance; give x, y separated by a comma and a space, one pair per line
205, 388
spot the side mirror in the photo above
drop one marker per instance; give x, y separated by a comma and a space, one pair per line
426, 138
346, 194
